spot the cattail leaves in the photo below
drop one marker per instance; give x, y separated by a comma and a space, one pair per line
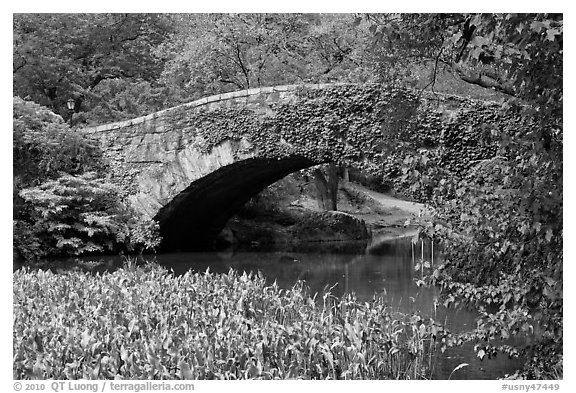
146, 323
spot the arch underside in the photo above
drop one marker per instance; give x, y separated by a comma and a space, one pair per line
193, 219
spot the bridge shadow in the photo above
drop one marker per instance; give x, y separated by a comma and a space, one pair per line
193, 219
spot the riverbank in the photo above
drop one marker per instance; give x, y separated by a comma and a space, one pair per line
288, 212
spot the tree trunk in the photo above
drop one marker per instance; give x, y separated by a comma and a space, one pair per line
345, 174
321, 189
333, 186
327, 190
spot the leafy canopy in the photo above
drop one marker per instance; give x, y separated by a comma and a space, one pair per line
501, 219
63, 56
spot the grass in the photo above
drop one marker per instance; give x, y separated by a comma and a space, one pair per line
145, 323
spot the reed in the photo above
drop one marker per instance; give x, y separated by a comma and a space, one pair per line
147, 323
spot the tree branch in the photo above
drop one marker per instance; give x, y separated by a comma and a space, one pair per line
345, 52
479, 79
16, 69
224, 80
241, 63
101, 76
434, 74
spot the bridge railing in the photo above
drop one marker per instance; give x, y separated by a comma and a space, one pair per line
208, 100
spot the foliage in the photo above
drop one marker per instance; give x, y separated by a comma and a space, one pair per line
147, 323
118, 66
120, 99
74, 215
63, 56
501, 219
214, 53
341, 123
61, 204
43, 145
512, 225
446, 143
518, 54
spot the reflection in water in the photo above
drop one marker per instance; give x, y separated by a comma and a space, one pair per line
387, 269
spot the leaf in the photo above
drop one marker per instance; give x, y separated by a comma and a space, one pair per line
551, 34
480, 41
124, 354
329, 357
132, 325
456, 37
185, 371
537, 26
460, 366
167, 342
476, 20
85, 338
481, 354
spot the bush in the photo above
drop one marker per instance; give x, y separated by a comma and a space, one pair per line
73, 215
62, 206
44, 145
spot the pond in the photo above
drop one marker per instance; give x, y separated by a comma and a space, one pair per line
385, 268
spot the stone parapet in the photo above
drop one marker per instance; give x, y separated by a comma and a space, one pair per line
217, 98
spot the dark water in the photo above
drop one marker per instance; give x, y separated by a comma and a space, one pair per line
385, 268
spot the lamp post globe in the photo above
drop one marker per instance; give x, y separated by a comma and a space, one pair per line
70, 103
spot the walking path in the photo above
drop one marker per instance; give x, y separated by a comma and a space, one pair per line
389, 215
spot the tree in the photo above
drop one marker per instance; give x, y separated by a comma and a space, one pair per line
518, 54
327, 190
224, 52
63, 56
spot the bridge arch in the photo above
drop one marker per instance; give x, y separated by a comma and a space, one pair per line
194, 217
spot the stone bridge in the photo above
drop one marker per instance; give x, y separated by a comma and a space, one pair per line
193, 166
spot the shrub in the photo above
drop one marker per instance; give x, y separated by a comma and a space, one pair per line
44, 145
74, 215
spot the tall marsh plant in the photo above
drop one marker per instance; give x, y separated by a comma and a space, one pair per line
147, 323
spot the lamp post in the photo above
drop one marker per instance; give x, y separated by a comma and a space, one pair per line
70, 103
